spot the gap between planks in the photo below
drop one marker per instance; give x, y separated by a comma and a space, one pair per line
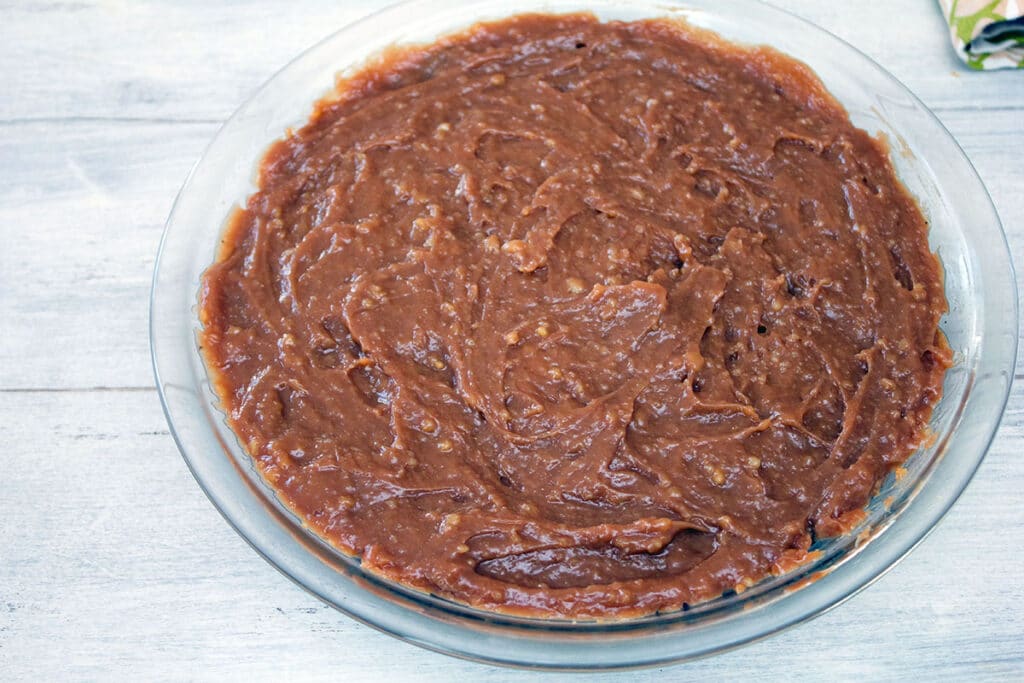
72, 390
1017, 377
65, 120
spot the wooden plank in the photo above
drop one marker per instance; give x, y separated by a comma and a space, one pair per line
158, 60
910, 39
198, 60
88, 209
115, 565
93, 203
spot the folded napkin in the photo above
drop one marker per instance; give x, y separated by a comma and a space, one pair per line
987, 34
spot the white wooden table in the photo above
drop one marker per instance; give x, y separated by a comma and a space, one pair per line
113, 564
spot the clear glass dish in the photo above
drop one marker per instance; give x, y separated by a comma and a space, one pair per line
981, 327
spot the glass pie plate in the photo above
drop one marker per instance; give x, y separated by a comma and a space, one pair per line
981, 327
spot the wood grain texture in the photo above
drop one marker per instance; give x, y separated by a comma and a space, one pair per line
113, 564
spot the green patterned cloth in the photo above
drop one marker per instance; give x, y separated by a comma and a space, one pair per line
987, 34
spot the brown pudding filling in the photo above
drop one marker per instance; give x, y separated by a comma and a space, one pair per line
568, 318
